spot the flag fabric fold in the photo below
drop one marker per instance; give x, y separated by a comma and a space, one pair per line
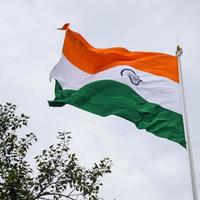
142, 87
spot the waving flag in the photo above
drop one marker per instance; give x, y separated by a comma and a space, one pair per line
142, 87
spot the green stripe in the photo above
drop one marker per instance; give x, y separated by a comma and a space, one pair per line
113, 98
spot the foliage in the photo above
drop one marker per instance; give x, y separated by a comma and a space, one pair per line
59, 174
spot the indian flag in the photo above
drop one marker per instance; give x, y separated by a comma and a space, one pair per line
142, 87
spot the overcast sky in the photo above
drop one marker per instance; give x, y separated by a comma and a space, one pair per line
145, 166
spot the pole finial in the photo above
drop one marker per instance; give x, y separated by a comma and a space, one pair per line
179, 51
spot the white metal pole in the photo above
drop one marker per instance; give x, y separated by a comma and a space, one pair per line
186, 129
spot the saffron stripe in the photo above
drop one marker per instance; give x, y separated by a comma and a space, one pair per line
93, 60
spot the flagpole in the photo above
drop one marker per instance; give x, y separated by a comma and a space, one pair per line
186, 129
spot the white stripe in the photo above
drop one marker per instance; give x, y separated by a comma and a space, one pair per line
152, 88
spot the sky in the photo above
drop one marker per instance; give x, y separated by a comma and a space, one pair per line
144, 166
